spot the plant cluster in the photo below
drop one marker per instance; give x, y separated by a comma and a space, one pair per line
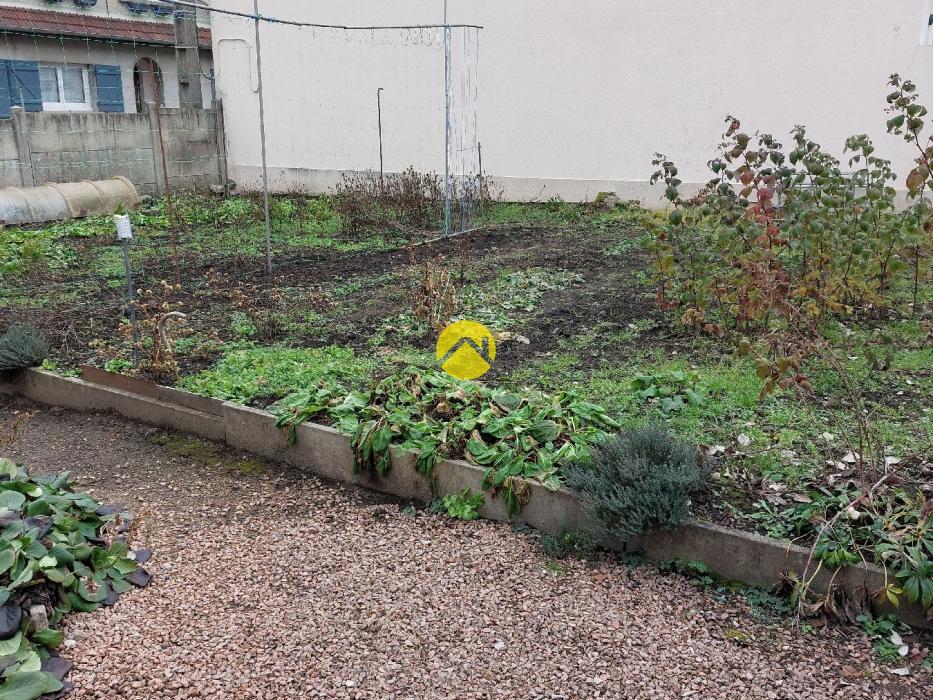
889, 526
671, 391
464, 505
517, 438
60, 550
22, 346
246, 373
776, 233
637, 480
411, 199
434, 297
22, 250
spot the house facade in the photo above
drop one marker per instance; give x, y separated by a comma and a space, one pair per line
574, 96
96, 56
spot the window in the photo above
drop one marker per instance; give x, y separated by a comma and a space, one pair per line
65, 88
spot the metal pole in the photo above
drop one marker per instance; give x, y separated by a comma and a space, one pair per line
169, 202
479, 152
262, 141
447, 189
382, 187
129, 300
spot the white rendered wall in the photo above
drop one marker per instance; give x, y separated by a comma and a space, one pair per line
575, 96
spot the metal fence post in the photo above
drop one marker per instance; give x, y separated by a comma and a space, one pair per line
262, 141
221, 137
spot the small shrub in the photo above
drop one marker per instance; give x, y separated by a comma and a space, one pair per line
696, 571
637, 480
434, 298
409, 199
22, 346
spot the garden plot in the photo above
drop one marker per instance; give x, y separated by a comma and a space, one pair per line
583, 348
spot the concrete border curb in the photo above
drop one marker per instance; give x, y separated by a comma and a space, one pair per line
733, 554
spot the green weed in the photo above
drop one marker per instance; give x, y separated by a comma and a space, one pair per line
245, 374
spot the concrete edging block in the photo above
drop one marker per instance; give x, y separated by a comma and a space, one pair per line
763, 561
71, 392
733, 554
254, 431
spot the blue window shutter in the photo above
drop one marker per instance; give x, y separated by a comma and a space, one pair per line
25, 89
109, 88
5, 101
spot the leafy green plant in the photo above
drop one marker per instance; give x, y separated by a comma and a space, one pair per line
61, 549
248, 372
464, 505
22, 346
890, 530
697, 572
672, 391
916, 577
637, 480
578, 545
514, 437
883, 632
118, 365
236, 210
22, 250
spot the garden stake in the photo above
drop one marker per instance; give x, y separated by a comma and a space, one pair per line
125, 235
382, 186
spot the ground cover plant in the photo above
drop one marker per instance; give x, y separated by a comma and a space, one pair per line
60, 551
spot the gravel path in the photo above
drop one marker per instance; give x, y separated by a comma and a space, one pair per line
273, 586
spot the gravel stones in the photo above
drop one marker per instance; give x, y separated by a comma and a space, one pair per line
280, 586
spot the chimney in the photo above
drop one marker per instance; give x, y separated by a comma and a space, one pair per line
187, 58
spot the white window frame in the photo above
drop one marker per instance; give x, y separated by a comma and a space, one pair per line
86, 106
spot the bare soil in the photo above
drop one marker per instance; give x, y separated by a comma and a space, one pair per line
608, 296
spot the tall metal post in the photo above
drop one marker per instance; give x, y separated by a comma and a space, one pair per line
382, 186
448, 194
125, 235
262, 142
129, 300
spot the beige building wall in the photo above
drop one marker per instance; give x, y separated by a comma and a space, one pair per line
575, 96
